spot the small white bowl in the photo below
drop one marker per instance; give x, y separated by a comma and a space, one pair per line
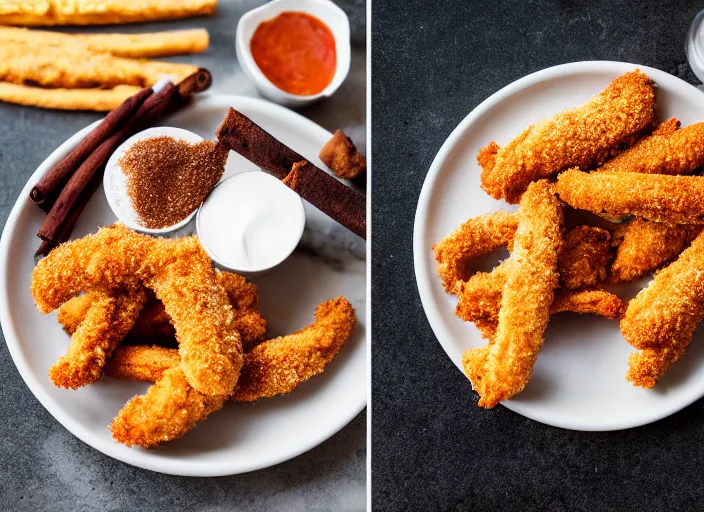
236, 212
327, 12
115, 181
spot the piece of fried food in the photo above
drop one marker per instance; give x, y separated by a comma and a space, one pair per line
99, 100
642, 246
589, 302
584, 137
154, 44
656, 197
107, 321
661, 320
50, 67
503, 368
341, 156
105, 12
667, 151
181, 275
274, 367
585, 257
475, 237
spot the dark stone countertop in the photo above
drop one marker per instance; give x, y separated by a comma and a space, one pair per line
432, 447
43, 467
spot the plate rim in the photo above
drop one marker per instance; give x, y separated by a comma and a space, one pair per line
133, 456
424, 276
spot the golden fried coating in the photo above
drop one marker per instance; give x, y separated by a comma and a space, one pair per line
274, 367
666, 151
475, 237
583, 137
180, 274
30, 64
100, 100
72, 313
642, 246
662, 318
107, 321
104, 12
169, 409
656, 197
589, 302
503, 368
585, 257
341, 156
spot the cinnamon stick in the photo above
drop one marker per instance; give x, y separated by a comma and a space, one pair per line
336, 200
148, 112
256, 145
45, 192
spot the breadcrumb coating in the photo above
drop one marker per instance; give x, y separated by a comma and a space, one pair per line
656, 197
643, 246
503, 368
145, 363
585, 257
475, 237
667, 151
181, 276
662, 318
107, 321
589, 302
583, 137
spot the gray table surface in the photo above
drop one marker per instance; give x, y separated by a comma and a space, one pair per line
42, 466
432, 447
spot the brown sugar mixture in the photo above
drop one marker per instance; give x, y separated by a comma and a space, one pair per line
167, 178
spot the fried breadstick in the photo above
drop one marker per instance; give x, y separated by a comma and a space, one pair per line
52, 67
584, 137
99, 100
503, 368
661, 320
106, 323
155, 44
105, 12
657, 197
667, 151
585, 257
642, 246
475, 237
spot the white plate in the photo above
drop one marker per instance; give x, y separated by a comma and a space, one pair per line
241, 437
579, 377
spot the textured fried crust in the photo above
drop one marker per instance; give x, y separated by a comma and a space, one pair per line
475, 237
49, 67
180, 274
72, 313
662, 318
666, 151
104, 12
656, 197
589, 302
584, 137
274, 367
169, 409
341, 156
585, 257
503, 368
642, 246
107, 321
100, 100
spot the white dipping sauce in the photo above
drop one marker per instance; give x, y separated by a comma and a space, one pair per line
251, 222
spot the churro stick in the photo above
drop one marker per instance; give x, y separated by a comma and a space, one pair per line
105, 12
657, 197
153, 44
661, 320
52, 67
503, 368
99, 100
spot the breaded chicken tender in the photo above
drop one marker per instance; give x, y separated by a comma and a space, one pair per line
589, 302
475, 237
656, 197
503, 368
643, 246
667, 151
583, 137
585, 257
146, 363
661, 320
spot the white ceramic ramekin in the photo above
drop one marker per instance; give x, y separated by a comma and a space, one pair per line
326, 11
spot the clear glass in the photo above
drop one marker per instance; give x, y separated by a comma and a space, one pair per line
694, 46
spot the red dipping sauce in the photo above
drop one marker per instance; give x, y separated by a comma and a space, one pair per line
296, 52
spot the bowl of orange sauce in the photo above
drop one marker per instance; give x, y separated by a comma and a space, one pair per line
296, 52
